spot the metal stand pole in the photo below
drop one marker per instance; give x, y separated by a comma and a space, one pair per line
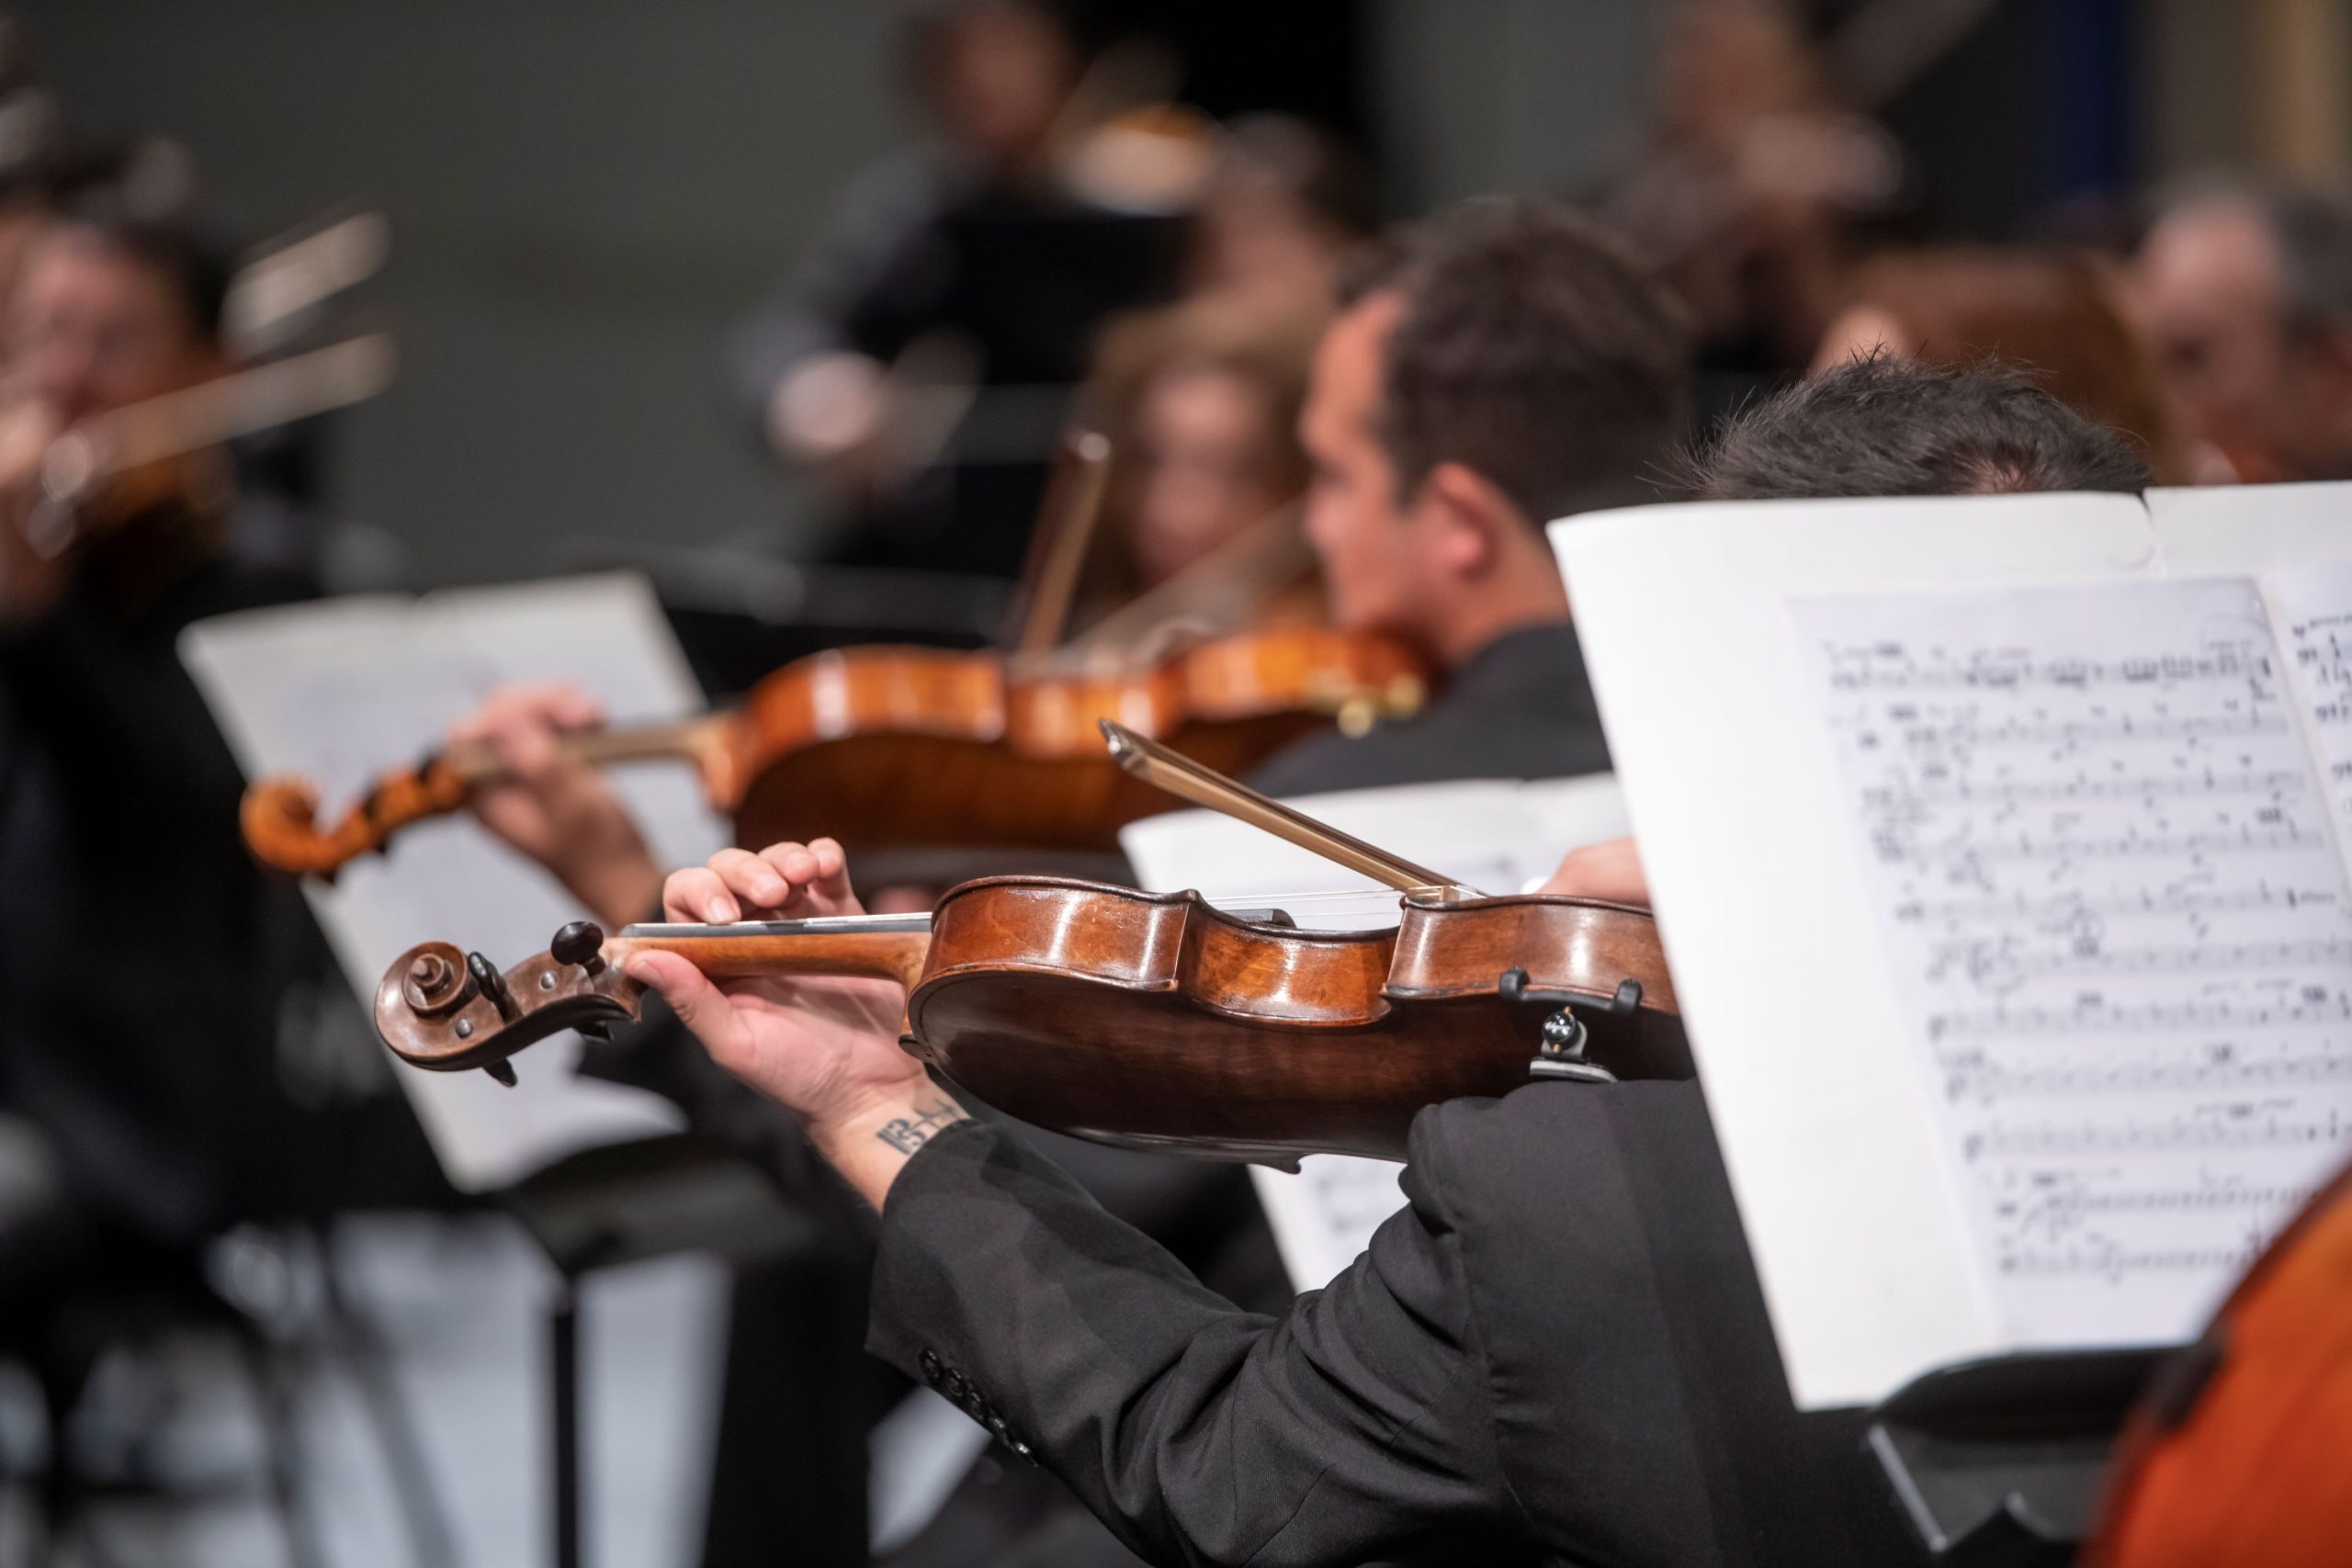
563, 1345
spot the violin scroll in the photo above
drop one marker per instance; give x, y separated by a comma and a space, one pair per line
446, 1010
280, 821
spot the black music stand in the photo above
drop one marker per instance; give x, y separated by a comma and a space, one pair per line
1998, 1463
624, 1204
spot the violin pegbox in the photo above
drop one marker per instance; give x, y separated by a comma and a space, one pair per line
280, 817
446, 1010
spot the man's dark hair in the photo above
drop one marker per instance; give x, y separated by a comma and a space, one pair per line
1880, 426
1534, 350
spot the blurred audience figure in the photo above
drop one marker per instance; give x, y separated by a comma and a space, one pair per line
1283, 204
2245, 293
919, 365
1745, 196
2057, 317
1201, 401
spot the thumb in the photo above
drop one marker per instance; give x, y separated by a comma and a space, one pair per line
701, 1006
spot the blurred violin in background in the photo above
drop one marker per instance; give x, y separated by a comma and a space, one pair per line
899, 748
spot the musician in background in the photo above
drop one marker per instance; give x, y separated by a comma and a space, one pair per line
1201, 403
142, 955
1557, 1352
2245, 293
1748, 189
1283, 203
1496, 367
972, 272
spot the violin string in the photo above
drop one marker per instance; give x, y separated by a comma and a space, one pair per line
1368, 892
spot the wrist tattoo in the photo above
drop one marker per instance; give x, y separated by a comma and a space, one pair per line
908, 1134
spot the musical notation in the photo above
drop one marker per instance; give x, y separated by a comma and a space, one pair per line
2212, 1068
2120, 922
2313, 609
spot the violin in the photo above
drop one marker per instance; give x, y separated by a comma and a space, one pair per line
1148, 1020
892, 748
130, 462
2242, 1450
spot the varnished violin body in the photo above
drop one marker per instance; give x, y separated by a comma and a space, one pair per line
2242, 1451
899, 748
1148, 1021
905, 748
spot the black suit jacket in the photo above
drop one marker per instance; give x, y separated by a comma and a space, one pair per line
1556, 1353
1519, 708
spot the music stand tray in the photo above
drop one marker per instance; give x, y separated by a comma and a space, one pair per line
2000, 1463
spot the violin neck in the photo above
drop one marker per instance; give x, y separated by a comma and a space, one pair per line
875, 947
687, 738
692, 739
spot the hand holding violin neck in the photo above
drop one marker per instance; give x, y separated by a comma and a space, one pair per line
279, 816
447, 1011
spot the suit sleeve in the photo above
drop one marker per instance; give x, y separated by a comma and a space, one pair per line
1355, 1427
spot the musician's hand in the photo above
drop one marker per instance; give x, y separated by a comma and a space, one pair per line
1610, 870
30, 582
558, 811
826, 1049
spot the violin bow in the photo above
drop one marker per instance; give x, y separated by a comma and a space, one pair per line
1166, 768
1072, 510
283, 280
238, 403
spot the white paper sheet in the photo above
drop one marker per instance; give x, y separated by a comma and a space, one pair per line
2312, 611
346, 689
1735, 785
1497, 836
2103, 874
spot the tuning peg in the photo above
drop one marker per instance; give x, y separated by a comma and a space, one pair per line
492, 984
501, 1071
582, 943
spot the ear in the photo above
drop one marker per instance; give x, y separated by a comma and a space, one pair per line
1471, 521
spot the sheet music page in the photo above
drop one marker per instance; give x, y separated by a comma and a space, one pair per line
2312, 610
343, 690
1497, 836
2106, 880
1833, 1131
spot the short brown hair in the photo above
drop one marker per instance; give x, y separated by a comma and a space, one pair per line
1534, 349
